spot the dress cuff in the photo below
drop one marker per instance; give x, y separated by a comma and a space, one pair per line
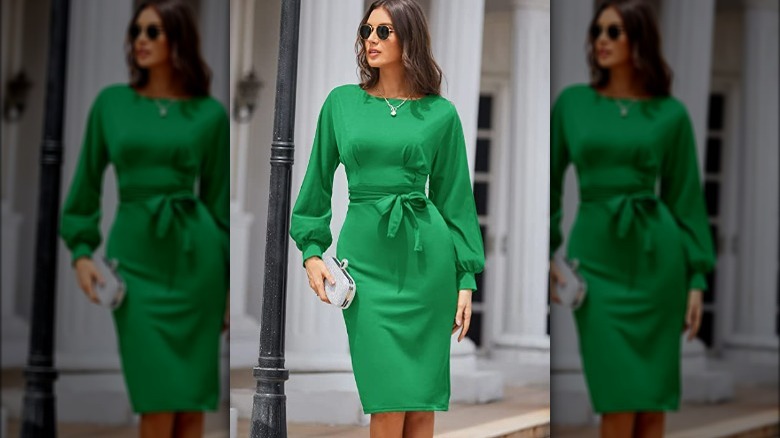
310, 251
79, 251
466, 280
698, 281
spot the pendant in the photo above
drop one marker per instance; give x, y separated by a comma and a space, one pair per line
623, 112
163, 112
392, 112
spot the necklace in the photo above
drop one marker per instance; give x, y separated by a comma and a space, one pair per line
163, 108
624, 108
393, 108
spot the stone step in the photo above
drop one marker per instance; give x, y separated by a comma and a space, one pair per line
759, 425
752, 413
523, 412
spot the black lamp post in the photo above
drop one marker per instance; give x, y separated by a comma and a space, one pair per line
269, 419
39, 415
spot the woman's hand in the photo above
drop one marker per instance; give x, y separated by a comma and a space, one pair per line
87, 275
556, 278
463, 314
693, 313
317, 271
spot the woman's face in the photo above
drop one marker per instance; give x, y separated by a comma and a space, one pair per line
150, 46
381, 53
611, 45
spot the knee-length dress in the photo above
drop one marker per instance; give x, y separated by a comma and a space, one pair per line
409, 253
170, 237
641, 235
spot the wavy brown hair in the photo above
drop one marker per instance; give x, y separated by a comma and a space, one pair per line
423, 74
178, 23
641, 28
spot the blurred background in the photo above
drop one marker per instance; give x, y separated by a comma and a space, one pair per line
724, 54
90, 390
495, 55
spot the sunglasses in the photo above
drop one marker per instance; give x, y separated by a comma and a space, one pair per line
613, 31
152, 31
383, 31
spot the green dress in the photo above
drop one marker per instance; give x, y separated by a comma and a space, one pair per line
409, 253
172, 245
641, 247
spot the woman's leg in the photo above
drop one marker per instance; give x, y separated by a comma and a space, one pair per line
649, 425
617, 424
418, 424
387, 425
156, 425
188, 425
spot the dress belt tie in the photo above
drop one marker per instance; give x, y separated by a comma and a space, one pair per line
398, 206
628, 209
168, 210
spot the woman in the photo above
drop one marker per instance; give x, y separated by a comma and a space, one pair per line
162, 132
413, 257
640, 253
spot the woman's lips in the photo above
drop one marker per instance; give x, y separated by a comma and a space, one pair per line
374, 53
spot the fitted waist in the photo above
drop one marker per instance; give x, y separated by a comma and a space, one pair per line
143, 194
374, 194
605, 194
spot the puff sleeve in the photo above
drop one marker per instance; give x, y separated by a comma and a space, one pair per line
559, 161
451, 192
311, 215
681, 192
80, 221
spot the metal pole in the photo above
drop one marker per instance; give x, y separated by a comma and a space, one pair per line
39, 415
269, 419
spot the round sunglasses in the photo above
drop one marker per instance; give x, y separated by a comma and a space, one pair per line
152, 31
383, 31
613, 31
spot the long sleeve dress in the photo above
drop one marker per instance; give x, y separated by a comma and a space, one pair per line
641, 247
172, 244
409, 253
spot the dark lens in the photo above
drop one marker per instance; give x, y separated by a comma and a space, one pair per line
135, 30
613, 32
152, 32
595, 31
383, 32
365, 31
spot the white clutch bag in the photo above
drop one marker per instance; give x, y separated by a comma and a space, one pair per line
342, 293
573, 293
112, 292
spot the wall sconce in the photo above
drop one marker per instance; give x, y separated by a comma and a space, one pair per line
247, 92
16, 90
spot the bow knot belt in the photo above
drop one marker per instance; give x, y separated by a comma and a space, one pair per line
169, 210
397, 206
629, 209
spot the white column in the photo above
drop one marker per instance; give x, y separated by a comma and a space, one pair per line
687, 30
753, 336
569, 394
688, 50
14, 328
244, 329
85, 334
522, 327
456, 36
